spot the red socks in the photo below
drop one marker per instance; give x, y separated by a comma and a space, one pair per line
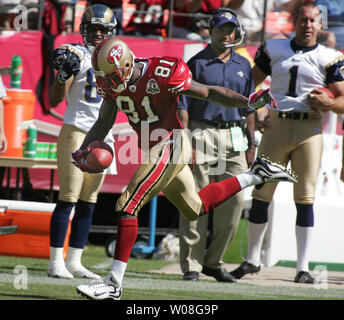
214, 194
126, 237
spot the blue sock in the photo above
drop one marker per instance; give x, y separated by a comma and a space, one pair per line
259, 212
81, 224
59, 223
305, 215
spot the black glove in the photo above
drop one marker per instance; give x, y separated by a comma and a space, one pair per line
60, 56
68, 64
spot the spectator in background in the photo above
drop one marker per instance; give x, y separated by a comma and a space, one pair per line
116, 7
251, 13
333, 32
326, 36
335, 19
148, 18
7, 13
197, 28
297, 67
217, 64
32, 13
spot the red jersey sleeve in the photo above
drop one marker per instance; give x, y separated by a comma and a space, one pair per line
180, 79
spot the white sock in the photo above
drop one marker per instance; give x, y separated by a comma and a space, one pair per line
118, 270
74, 256
256, 234
248, 179
56, 256
303, 239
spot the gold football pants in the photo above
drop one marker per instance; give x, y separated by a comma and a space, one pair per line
74, 184
297, 141
165, 168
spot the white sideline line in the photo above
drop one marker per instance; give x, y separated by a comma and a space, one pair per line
179, 285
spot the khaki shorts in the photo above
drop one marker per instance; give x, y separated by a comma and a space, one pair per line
301, 143
74, 184
164, 169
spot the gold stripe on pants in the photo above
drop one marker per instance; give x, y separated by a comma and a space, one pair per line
173, 177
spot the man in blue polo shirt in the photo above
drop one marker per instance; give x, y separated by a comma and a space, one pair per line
219, 143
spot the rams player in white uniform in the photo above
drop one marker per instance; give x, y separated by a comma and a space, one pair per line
75, 82
297, 67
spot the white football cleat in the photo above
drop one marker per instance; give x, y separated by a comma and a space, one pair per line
271, 171
58, 271
79, 271
107, 289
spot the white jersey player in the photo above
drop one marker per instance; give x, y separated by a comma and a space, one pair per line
75, 81
297, 68
83, 101
296, 71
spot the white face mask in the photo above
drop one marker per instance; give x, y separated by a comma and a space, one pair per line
120, 88
124, 84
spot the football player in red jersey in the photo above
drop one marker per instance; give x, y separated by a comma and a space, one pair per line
147, 91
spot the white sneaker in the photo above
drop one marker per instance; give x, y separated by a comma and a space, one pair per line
80, 271
107, 289
271, 171
58, 271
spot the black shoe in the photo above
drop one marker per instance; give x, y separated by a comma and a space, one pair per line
303, 277
191, 276
243, 269
220, 275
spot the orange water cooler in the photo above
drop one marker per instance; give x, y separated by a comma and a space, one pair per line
18, 107
25, 229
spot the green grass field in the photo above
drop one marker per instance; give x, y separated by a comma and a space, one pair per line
139, 283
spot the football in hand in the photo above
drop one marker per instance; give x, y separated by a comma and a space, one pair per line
100, 155
327, 91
